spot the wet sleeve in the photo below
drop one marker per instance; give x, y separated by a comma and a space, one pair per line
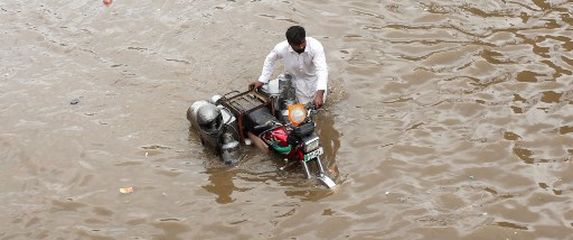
319, 61
270, 60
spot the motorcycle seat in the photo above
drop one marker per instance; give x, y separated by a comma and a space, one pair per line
260, 120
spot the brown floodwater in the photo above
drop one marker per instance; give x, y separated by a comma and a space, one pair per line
447, 119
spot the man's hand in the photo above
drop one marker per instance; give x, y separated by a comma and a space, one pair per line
255, 85
318, 99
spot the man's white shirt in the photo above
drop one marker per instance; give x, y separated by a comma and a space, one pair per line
308, 68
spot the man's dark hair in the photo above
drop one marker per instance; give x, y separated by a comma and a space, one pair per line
295, 35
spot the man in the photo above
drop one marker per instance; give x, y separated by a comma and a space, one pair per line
304, 58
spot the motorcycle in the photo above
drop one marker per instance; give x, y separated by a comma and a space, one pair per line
271, 115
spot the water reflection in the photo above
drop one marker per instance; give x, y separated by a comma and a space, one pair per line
330, 141
221, 184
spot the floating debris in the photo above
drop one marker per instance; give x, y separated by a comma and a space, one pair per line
126, 190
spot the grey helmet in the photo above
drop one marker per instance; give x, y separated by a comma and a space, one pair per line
209, 118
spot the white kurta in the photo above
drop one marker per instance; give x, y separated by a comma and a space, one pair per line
308, 68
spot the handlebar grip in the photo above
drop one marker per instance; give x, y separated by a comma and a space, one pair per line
310, 106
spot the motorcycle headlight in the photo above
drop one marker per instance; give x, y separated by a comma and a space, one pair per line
311, 144
296, 114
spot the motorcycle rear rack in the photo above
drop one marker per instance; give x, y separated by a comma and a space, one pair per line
241, 104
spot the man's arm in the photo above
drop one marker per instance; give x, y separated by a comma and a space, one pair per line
319, 62
270, 60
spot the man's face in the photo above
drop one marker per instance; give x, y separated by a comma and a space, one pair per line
299, 48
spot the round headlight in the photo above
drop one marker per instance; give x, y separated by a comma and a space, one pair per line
296, 113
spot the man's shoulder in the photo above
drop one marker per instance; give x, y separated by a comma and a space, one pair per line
281, 46
312, 40
314, 45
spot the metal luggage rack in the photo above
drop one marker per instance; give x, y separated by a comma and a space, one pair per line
241, 104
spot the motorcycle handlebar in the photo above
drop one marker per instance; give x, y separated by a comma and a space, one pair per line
310, 106
311, 109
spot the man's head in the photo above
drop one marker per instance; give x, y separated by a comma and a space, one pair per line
295, 36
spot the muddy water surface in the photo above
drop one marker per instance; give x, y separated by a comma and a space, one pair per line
447, 120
